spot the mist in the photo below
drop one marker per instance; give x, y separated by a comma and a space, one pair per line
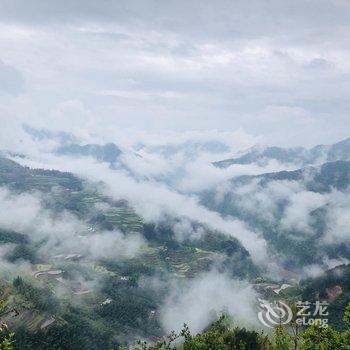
201, 300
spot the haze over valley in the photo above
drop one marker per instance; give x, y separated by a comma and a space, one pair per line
173, 163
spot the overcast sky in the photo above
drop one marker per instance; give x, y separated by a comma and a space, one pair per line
275, 69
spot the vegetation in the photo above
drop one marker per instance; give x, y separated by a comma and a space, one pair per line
222, 336
6, 336
218, 336
52, 314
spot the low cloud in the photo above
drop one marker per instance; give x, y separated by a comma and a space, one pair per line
152, 200
300, 206
8, 269
338, 218
199, 301
61, 233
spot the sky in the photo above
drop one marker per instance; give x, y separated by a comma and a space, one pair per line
277, 71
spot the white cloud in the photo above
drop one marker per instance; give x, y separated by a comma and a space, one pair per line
198, 301
338, 218
11, 79
130, 71
24, 213
153, 199
301, 205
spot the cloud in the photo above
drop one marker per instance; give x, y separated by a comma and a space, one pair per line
11, 205
60, 233
173, 88
288, 114
289, 212
316, 270
167, 179
198, 301
107, 245
338, 221
177, 85
319, 64
11, 79
201, 175
8, 269
152, 200
179, 16
193, 66
184, 230
284, 204
301, 205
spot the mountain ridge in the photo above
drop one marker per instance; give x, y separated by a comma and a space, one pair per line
297, 155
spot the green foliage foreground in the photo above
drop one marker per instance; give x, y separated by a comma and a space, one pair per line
6, 336
219, 336
222, 336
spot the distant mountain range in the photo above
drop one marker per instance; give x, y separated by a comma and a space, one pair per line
108, 153
265, 202
300, 156
301, 214
69, 145
121, 304
322, 178
295, 210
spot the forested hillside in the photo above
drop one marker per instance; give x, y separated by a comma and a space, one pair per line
67, 295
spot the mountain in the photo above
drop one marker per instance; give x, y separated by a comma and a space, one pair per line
18, 177
263, 155
73, 271
69, 145
65, 191
334, 286
299, 155
323, 178
53, 287
105, 153
300, 213
45, 134
190, 149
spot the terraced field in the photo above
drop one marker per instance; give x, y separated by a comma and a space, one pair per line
124, 218
72, 288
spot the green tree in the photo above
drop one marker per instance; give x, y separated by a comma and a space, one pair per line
6, 336
346, 333
318, 337
219, 336
347, 316
282, 340
294, 327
